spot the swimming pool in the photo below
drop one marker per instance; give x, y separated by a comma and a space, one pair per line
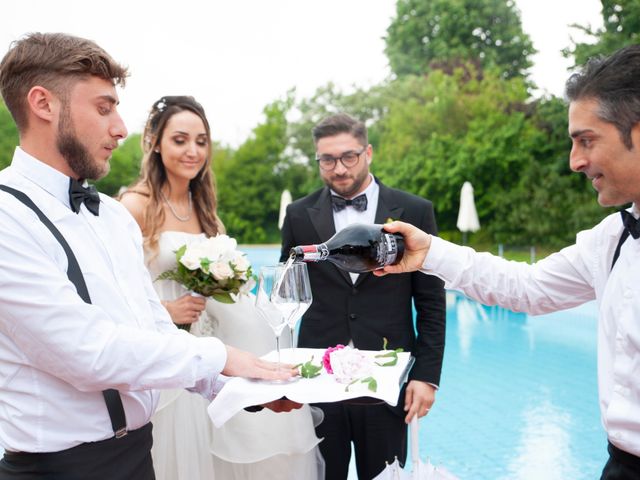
518, 398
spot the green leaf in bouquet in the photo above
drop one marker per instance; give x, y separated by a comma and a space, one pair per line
180, 252
222, 297
169, 275
204, 264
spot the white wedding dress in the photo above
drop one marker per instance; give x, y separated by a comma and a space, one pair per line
263, 445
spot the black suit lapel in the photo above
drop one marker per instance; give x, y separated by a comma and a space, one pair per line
387, 208
321, 217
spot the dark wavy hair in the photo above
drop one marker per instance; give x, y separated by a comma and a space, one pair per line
614, 82
153, 174
340, 123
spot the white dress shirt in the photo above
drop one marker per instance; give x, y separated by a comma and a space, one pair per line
57, 353
575, 275
349, 215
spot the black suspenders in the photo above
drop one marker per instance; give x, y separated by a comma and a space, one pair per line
111, 396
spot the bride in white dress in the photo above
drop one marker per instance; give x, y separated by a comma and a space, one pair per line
182, 209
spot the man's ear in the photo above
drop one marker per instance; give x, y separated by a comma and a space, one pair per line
42, 103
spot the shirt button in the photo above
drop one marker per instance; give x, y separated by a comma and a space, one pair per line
628, 293
353, 316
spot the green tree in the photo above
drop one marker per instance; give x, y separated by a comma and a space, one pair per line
428, 34
621, 27
8, 136
548, 203
250, 182
125, 166
442, 130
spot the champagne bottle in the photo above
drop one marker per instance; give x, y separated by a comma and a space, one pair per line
357, 248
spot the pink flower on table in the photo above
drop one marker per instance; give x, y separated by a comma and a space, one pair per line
350, 364
326, 358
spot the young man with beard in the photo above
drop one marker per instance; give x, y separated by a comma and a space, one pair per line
604, 125
83, 337
362, 310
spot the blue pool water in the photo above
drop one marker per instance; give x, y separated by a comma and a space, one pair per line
518, 398
260, 255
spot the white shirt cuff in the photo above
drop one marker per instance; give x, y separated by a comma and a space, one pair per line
213, 357
435, 255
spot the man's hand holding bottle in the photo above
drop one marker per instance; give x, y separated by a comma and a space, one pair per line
416, 247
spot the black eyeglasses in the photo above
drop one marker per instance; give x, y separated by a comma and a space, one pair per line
348, 159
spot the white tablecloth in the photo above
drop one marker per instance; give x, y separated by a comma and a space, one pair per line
239, 393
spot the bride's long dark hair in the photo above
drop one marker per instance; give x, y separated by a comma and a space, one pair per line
153, 174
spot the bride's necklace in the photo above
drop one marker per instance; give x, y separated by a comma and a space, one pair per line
187, 217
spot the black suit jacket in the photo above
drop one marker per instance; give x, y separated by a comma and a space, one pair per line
374, 307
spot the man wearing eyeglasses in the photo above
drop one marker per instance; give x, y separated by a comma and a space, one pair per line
360, 310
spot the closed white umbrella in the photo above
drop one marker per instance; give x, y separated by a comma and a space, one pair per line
420, 470
285, 199
467, 215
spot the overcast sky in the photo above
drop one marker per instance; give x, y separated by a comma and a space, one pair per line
235, 56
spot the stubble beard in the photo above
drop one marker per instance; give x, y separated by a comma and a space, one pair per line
348, 192
75, 153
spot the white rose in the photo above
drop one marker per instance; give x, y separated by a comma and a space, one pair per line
221, 270
240, 262
220, 247
349, 364
192, 256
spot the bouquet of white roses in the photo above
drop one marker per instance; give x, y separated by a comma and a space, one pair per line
213, 268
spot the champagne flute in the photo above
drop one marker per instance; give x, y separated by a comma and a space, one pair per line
276, 299
267, 280
286, 293
305, 297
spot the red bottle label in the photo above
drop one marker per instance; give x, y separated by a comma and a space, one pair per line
315, 253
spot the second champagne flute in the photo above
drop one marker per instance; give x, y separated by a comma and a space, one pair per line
305, 297
267, 279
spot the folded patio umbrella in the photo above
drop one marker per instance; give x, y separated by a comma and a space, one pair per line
285, 199
420, 470
467, 214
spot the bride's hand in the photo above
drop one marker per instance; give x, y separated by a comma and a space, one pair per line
186, 309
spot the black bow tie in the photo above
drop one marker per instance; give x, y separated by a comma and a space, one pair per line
87, 195
631, 224
339, 203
